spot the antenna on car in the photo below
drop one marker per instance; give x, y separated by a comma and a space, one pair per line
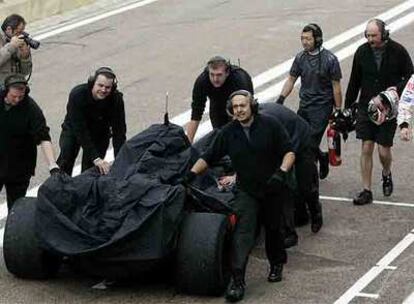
166, 119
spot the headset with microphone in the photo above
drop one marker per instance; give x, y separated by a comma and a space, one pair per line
254, 105
382, 26
14, 80
316, 33
106, 71
219, 60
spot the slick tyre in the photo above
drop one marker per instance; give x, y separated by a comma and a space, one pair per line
23, 255
203, 254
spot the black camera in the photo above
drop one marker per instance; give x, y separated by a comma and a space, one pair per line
34, 44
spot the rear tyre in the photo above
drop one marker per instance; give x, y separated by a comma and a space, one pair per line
23, 255
203, 254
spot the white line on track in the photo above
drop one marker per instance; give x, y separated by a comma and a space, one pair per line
284, 67
275, 89
71, 26
341, 54
345, 199
368, 295
382, 265
409, 299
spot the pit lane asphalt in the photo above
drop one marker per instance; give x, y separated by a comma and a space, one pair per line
162, 47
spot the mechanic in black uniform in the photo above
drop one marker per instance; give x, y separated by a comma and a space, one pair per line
262, 155
95, 113
22, 128
218, 80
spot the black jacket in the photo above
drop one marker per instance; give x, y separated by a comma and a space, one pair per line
396, 67
254, 160
238, 79
92, 120
22, 128
297, 128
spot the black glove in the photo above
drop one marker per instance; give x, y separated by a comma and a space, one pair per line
189, 177
276, 182
281, 99
55, 171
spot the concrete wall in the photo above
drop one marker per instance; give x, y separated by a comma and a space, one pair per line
37, 9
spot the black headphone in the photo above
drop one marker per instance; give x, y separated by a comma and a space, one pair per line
219, 60
254, 105
106, 71
316, 33
16, 79
382, 26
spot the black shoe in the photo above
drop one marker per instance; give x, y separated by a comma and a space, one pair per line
323, 165
363, 198
291, 240
235, 290
387, 184
316, 222
275, 274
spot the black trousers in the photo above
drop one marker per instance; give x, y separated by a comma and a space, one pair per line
69, 150
308, 183
15, 189
252, 211
318, 120
289, 209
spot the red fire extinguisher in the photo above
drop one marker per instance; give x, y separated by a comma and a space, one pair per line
334, 146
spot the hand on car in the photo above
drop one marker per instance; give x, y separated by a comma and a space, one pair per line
102, 165
227, 181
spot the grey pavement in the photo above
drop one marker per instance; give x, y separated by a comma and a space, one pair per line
163, 47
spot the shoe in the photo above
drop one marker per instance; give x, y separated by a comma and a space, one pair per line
316, 222
387, 184
275, 273
291, 240
235, 290
323, 165
363, 198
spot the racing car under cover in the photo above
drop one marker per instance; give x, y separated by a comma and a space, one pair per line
135, 219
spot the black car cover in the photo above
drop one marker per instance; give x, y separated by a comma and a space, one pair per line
142, 196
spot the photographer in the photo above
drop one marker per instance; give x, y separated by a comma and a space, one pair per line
14, 49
